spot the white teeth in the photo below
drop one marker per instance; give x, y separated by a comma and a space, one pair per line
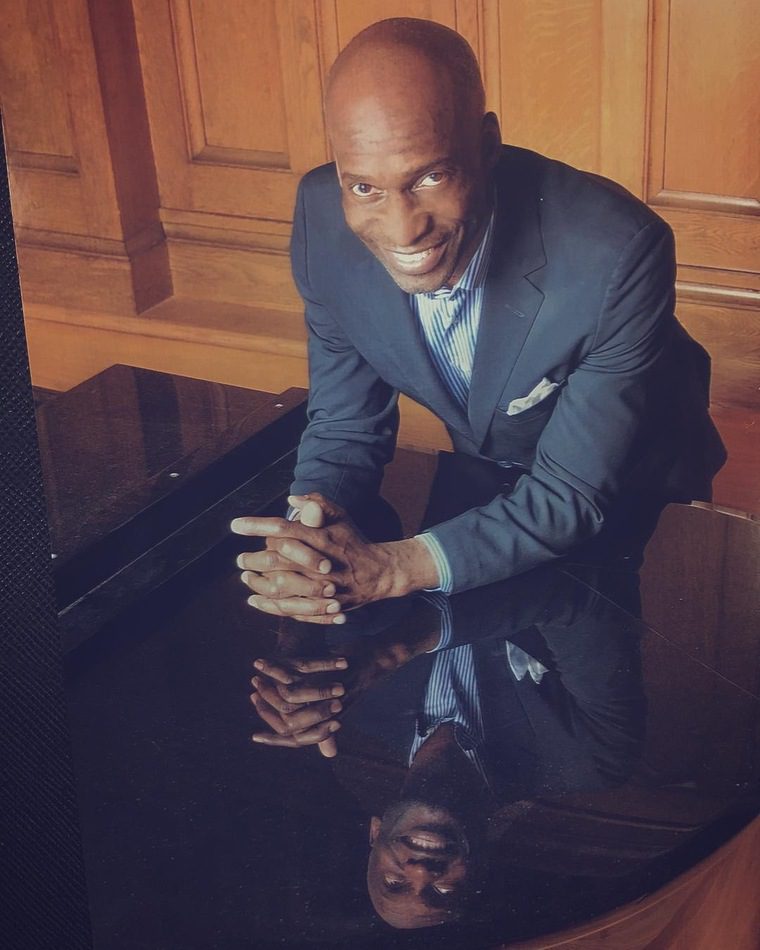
426, 844
411, 259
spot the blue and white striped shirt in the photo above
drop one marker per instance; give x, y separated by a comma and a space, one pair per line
449, 319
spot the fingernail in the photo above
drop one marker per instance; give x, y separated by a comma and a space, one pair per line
328, 590
334, 726
257, 739
333, 608
258, 664
337, 690
244, 576
253, 601
341, 618
256, 681
239, 561
336, 705
341, 664
324, 567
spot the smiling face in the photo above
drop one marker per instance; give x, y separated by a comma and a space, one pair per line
414, 158
418, 866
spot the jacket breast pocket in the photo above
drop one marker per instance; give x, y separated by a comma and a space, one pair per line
514, 438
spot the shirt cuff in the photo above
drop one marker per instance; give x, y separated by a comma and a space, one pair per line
441, 602
445, 580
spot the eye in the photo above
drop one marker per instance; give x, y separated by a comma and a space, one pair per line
393, 883
364, 190
431, 180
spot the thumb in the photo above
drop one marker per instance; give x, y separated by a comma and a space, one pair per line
312, 515
328, 748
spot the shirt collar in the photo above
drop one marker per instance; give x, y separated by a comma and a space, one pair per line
475, 272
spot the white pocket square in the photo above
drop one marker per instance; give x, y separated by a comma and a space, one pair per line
536, 395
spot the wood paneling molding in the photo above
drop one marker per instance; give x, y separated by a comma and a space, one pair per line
715, 240
227, 230
241, 275
201, 145
730, 204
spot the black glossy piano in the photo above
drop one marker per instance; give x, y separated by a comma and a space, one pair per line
605, 722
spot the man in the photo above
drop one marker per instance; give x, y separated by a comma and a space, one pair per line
529, 305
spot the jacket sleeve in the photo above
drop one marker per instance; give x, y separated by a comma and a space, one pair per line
352, 413
592, 443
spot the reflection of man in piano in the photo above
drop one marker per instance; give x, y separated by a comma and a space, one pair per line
439, 733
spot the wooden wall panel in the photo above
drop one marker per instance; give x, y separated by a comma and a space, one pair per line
235, 53
712, 137
572, 81
704, 143
32, 78
234, 98
84, 197
352, 17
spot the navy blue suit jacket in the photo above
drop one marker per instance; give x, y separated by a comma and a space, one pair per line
580, 289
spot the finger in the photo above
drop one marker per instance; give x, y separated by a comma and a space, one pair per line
324, 619
309, 607
278, 529
299, 551
276, 584
304, 706
329, 508
312, 515
322, 664
271, 559
276, 672
328, 748
303, 541
309, 737
267, 738
310, 693
268, 715
311, 714
268, 692
259, 527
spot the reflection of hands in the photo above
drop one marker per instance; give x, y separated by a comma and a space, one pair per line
298, 700
314, 568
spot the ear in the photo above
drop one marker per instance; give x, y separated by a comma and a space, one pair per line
375, 824
490, 138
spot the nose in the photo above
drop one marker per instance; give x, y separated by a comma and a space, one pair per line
425, 867
406, 223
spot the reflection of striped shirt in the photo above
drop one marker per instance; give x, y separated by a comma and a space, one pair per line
452, 695
449, 319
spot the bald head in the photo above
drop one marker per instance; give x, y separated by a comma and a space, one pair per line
418, 57
414, 149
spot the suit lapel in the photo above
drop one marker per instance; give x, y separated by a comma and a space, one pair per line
511, 300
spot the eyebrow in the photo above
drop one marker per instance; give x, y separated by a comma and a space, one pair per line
436, 163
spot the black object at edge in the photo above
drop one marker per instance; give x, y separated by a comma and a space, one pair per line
44, 890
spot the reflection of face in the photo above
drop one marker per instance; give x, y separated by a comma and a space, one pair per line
418, 865
414, 177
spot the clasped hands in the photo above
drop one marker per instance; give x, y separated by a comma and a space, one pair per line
315, 568
299, 699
